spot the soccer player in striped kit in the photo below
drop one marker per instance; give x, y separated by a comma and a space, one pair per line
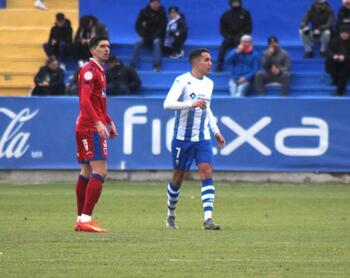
190, 97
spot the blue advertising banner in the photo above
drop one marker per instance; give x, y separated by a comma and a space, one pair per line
262, 134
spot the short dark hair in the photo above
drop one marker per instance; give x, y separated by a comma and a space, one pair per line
51, 60
173, 9
96, 40
195, 53
60, 17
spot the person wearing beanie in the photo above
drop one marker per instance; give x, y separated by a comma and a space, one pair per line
150, 26
316, 27
338, 61
343, 17
234, 23
175, 34
276, 68
245, 63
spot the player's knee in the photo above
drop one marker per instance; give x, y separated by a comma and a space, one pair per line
205, 171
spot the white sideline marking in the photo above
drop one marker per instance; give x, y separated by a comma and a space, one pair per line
256, 260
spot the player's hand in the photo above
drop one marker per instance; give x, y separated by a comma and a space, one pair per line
341, 58
220, 139
199, 103
102, 130
113, 132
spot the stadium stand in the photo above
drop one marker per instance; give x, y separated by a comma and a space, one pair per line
269, 17
23, 30
28, 31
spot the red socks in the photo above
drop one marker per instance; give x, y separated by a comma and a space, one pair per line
80, 190
93, 192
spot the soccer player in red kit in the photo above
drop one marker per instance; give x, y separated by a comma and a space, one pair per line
93, 128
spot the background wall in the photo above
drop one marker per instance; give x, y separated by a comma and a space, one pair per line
281, 18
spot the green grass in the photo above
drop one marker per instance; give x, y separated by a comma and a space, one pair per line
269, 230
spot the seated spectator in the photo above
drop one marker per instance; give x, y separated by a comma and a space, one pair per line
89, 27
121, 79
343, 17
316, 27
276, 68
245, 63
234, 23
338, 61
60, 39
175, 34
150, 26
49, 81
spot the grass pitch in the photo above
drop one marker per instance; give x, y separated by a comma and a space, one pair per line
269, 230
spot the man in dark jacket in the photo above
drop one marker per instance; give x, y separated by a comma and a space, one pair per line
49, 80
276, 64
343, 17
121, 79
234, 23
60, 40
175, 34
150, 25
316, 27
338, 61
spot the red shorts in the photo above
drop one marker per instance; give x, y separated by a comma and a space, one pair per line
90, 147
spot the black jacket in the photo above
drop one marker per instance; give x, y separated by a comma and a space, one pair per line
123, 75
235, 22
64, 33
343, 18
54, 78
151, 24
339, 47
321, 20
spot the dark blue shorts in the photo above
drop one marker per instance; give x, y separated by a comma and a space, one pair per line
184, 152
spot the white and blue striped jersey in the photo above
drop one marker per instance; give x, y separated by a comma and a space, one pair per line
191, 124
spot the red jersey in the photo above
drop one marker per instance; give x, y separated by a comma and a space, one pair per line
92, 97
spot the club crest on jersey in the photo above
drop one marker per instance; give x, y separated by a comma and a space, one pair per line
88, 75
193, 95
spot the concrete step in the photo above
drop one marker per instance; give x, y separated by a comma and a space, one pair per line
51, 4
15, 91
22, 51
22, 36
16, 80
20, 65
126, 50
34, 17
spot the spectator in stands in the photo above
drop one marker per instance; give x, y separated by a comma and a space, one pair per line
150, 25
60, 39
176, 33
276, 68
343, 17
234, 23
121, 79
39, 4
49, 80
89, 27
338, 61
317, 26
245, 63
